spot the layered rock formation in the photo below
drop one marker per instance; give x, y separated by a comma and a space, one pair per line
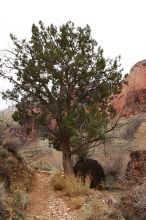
132, 98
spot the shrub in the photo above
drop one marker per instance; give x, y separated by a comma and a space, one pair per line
20, 200
75, 187
96, 208
19, 204
133, 203
140, 199
3, 211
58, 182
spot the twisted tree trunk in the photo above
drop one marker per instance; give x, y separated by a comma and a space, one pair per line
66, 153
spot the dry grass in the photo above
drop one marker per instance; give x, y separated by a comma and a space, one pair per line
58, 182
71, 185
139, 201
89, 212
133, 203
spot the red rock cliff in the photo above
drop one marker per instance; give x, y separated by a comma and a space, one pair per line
132, 98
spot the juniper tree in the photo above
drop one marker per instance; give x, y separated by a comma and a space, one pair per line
64, 73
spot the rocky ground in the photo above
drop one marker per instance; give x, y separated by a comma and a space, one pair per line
47, 204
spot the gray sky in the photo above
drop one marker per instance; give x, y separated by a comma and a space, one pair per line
119, 26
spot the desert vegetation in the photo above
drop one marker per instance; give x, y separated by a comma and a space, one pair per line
62, 77
65, 153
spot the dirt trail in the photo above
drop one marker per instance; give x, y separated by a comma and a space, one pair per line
45, 204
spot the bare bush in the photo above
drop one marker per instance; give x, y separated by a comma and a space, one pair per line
140, 198
133, 204
96, 208
3, 211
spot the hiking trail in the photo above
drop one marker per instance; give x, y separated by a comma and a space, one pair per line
46, 204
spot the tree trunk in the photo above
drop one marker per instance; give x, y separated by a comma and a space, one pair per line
67, 162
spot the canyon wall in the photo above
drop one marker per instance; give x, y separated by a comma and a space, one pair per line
132, 98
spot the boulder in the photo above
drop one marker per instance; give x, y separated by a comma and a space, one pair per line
136, 168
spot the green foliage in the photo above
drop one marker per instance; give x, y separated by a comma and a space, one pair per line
62, 72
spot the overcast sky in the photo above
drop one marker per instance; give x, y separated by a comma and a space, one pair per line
119, 26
